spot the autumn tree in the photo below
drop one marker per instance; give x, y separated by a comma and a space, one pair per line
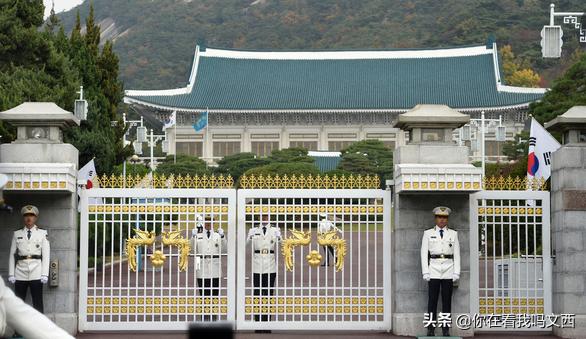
516, 71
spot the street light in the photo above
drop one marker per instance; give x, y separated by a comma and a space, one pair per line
152, 143
551, 35
466, 134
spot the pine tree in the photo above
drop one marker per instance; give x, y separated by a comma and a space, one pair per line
568, 91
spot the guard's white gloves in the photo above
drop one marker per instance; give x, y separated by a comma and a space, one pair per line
426, 277
221, 232
278, 233
455, 277
193, 232
12, 279
44, 279
251, 233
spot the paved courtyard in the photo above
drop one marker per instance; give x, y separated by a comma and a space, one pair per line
301, 335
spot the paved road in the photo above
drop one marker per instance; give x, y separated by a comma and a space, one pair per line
301, 335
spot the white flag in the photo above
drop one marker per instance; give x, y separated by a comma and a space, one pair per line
170, 121
541, 147
85, 180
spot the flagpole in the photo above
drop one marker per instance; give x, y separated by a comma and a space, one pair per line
175, 139
482, 143
207, 124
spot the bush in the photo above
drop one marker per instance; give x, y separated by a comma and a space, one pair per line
184, 165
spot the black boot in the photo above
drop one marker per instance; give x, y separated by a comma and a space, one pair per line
446, 331
430, 331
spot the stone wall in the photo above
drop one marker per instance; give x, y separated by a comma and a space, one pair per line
413, 215
568, 209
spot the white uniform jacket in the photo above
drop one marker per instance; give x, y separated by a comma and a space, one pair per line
15, 314
37, 245
208, 253
264, 248
433, 244
326, 226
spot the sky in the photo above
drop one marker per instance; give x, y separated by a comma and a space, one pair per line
60, 5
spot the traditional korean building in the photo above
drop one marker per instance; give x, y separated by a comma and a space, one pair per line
259, 101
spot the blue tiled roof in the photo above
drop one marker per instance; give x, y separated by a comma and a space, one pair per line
248, 83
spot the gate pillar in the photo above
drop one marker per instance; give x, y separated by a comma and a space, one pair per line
42, 171
429, 171
568, 208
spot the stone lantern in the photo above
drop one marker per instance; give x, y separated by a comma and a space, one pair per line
431, 124
572, 124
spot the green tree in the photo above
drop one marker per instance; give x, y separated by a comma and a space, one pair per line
290, 155
183, 165
567, 91
517, 148
31, 68
516, 72
236, 164
99, 75
131, 169
301, 168
368, 157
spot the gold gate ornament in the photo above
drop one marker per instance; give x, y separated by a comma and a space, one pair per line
331, 238
313, 258
301, 238
147, 238
141, 238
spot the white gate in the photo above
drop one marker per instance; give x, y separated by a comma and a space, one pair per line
352, 293
510, 268
136, 271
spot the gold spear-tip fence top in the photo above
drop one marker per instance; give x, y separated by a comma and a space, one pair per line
309, 181
163, 181
501, 183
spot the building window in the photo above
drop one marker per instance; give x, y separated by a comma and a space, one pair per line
380, 135
303, 136
263, 148
265, 136
336, 146
308, 145
224, 148
190, 148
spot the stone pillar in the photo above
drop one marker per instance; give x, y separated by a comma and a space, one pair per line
568, 212
42, 171
430, 170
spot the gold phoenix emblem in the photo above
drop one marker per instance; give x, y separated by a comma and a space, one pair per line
147, 238
331, 239
141, 238
300, 238
175, 239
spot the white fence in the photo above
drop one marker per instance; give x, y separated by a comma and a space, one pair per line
510, 268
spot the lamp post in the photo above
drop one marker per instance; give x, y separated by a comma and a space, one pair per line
551, 35
153, 141
481, 124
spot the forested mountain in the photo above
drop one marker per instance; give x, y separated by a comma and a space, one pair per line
155, 39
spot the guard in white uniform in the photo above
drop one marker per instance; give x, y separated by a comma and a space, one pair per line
325, 225
208, 246
440, 264
15, 314
28, 261
265, 239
